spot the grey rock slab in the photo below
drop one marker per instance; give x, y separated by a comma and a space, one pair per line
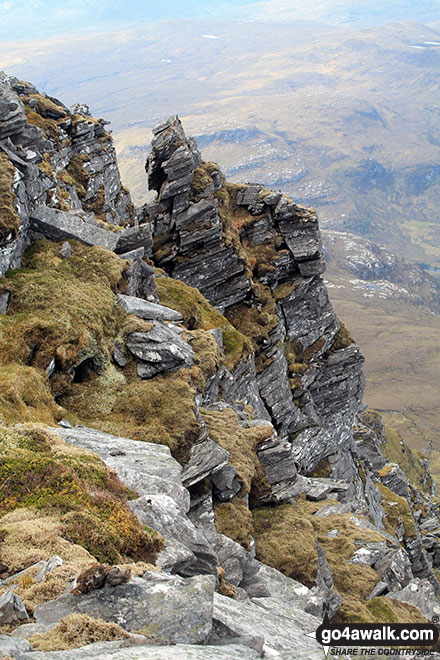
133, 460
174, 557
205, 457
13, 647
369, 553
420, 593
147, 310
161, 513
177, 609
28, 630
4, 301
225, 483
283, 626
160, 349
134, 238
116, 651
59, 225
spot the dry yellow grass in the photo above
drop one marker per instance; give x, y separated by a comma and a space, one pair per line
77, 630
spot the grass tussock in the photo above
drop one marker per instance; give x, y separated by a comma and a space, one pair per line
397, 451
61, 308
77, 630
41, 472
198, 313
9, 219
25, 395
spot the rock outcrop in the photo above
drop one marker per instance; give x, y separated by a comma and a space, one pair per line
223, 392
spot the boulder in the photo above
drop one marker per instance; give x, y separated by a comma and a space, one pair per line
420, 593
59, 226
284, 627
12, 609
175, 608
158, 350
147, 310
13, 647
205, 458
161, 513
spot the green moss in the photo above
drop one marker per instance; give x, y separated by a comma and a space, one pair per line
207, 357
397, 451
159, 410
62, 308
397, 511
78, 174
9, 219
25, 396
39, 471
342, 340
285, 539
47, 108
240, 442
233, 519
258, 320
197, 313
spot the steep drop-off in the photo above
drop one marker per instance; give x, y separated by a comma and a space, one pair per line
192, 345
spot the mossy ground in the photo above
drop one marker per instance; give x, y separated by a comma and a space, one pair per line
285, 539
159, 410
234, 519
62, 309
240, 442
77, 630
39, 471
197, 313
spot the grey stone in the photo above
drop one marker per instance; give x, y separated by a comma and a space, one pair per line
159, 349
420, 593
177, 609
395, 569
147, 310
369, 553
63, 225
118, 355
135, 238
28, 630
283, 626
65, 250
205, 458
174, 556
65, 424
116, 651
225, 483
160, 512
51, 367
380, 588
4, 301
14, 647
49, 568
201, 514
12, 609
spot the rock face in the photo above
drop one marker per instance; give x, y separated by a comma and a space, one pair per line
259, 256
64, 163
278, 468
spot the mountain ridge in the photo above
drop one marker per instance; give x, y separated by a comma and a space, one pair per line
192, 345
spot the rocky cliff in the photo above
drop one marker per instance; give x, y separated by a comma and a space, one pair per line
178, 399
